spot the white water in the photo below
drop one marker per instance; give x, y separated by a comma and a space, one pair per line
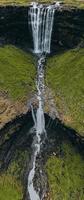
39, 126
41, 20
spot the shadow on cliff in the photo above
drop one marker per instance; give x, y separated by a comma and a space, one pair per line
68, 29
16, 135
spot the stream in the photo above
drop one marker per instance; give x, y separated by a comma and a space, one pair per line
41, 21
31, 139
39, 123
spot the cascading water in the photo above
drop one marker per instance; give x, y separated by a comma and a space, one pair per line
39, 122
41, 20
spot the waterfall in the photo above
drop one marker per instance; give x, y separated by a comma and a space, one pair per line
41, 20
39, 121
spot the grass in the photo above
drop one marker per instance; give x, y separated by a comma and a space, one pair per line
78, 3
65, 76
13, 2
17, 72
11, 187
66, 175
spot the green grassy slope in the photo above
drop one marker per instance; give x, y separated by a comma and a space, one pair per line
11, 187
78, 3
17, 72
65, 76
12, 2
66, 175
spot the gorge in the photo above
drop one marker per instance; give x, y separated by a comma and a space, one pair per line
39, 122
36, 147
41, 21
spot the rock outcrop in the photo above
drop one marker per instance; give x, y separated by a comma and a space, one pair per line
68, 30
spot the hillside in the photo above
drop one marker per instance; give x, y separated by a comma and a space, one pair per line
17, 74
65, 174
41, 100
65, 76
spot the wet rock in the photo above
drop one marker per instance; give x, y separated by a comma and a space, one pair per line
50, 105
68, 29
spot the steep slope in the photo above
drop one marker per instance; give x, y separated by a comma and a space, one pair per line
65, 76
65, 173
17, 74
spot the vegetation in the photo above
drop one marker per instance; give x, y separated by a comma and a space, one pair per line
12, 2
66, 79
10, 182
78, 3
10, 189
66, 174
17, 72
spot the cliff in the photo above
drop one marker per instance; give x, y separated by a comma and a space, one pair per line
68, 29
63, 104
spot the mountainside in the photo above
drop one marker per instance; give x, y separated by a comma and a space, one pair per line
41, 100
17, 77
65, 76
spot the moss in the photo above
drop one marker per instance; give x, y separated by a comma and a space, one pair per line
66, 174
77, 3
66, 79
18, 164
10, 189
17, 72
13, 2
11, 185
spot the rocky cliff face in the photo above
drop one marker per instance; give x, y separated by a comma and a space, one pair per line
68, 30
14, 26
16, 140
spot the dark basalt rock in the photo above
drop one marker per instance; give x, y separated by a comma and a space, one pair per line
61, 131
21, 138
14, 27
68, 29
14, 126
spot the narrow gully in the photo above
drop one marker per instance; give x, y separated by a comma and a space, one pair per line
41, 22
39, 123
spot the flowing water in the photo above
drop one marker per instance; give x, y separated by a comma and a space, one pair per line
41, 20
39, 122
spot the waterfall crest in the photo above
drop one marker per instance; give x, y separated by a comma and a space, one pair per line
41, 20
